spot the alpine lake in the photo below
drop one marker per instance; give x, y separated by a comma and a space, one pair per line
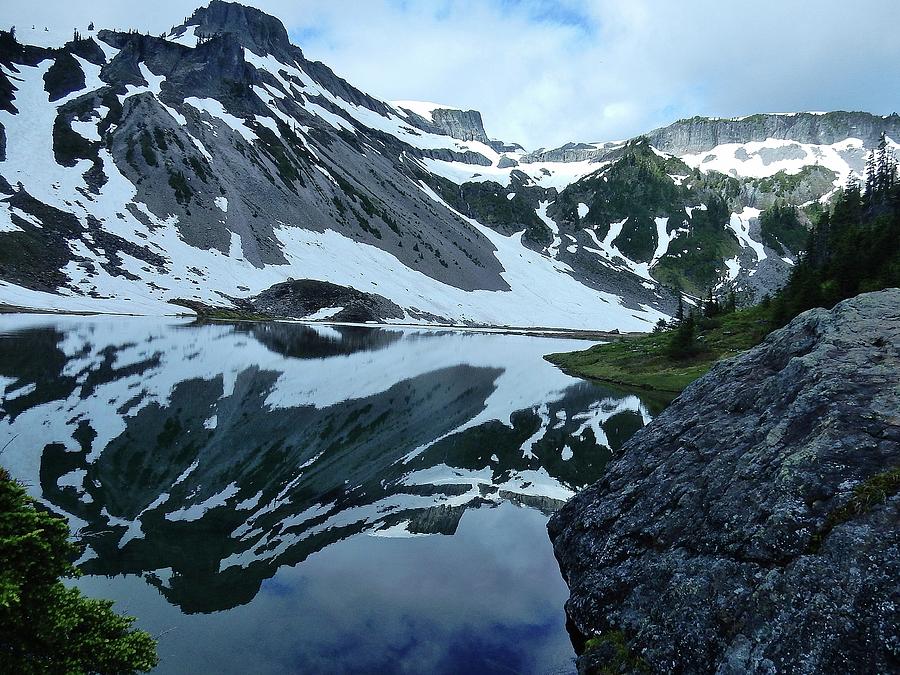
295, 498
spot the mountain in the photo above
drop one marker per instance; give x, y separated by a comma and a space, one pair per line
216, 166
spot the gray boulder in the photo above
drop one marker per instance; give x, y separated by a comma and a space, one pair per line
753, 526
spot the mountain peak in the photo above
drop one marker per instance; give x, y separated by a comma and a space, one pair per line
261, 33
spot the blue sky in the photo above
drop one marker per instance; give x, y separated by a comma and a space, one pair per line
545, 72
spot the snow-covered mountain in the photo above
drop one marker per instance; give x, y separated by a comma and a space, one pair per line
217, 166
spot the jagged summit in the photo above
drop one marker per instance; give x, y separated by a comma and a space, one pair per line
260, 32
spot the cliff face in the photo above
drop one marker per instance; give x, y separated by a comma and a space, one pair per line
572, 152
699, 134
752, 527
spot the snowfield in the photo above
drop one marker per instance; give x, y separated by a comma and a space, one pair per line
544, 290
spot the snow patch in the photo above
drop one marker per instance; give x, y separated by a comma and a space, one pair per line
214, 108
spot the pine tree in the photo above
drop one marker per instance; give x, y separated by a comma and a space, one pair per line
91, 26
711, 306
684, 340
679, 313
881, 173
871, 175
881, 165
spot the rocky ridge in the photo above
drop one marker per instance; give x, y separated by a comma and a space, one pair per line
752, 527
700, 134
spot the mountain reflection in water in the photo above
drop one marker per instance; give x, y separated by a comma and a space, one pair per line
202, 463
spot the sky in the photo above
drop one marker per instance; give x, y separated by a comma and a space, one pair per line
547, 72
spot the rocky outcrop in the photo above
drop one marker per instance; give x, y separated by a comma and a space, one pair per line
464, 125
699, 134
752, 527
260, 32
303, 297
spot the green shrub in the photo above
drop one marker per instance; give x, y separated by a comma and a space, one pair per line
612, 654
178, 182
683, 342
866, 496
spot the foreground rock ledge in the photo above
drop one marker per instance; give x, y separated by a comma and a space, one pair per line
754, 526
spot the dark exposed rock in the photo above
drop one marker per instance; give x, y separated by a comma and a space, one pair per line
467, 157
305, 342
300, 298
63, 77
752, 527
257, 30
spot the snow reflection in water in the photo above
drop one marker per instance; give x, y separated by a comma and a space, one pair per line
208, 461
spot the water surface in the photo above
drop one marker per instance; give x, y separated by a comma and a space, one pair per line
272, 497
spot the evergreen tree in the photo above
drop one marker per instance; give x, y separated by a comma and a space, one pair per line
45, 626
871, 175
91, 26
711, 305
881, 174
853, 249
679, 313
731, 302
684, 339
881, 165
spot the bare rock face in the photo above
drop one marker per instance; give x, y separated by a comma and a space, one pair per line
753, 526
699, 134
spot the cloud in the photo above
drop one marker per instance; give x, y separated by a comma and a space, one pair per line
544, 73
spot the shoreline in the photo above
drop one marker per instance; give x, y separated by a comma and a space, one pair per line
531, 331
